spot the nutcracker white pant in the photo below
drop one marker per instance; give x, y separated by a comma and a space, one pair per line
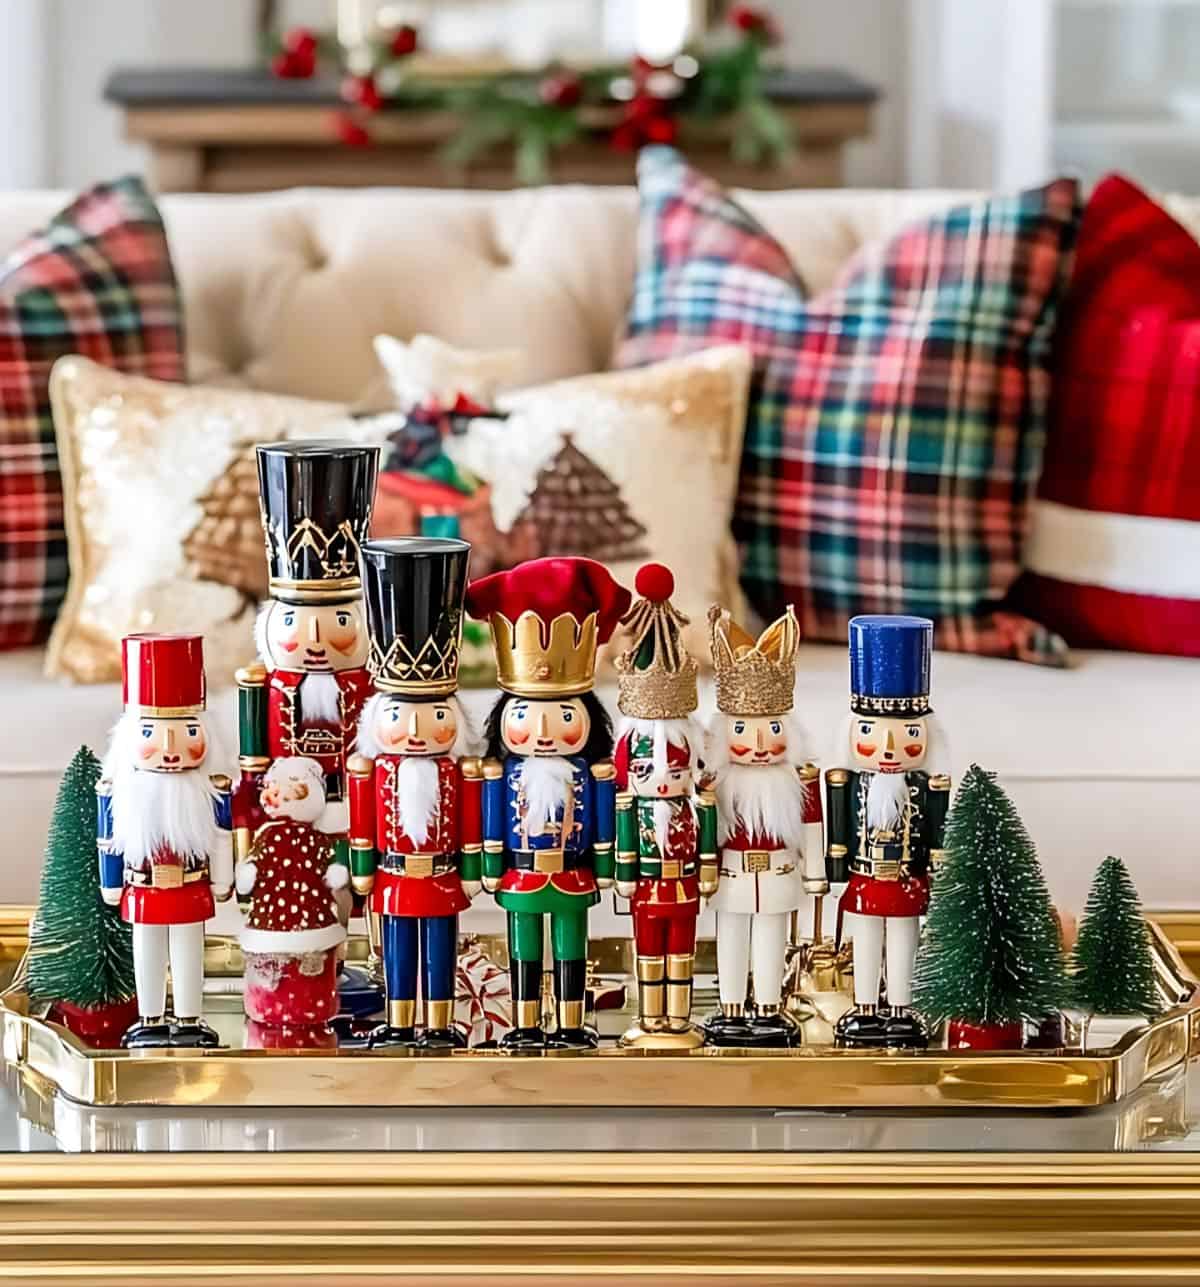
183, 946
869, 937
748, 942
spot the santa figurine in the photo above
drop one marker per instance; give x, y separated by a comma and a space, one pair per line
666, 838
305, 695
415, 829
548, 791
886, 817
769, 811
292, 929
163, 833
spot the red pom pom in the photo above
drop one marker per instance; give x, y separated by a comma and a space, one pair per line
655, 582
404, 41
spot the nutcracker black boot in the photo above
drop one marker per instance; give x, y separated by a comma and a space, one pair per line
400, 1028
729, 1026
903, 1030
192, 1034
570, 987
770, 1028
146, 1034
863, 1026
440, 1032
526, 1035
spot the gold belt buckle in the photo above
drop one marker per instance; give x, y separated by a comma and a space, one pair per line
671, 869
548, 860
165, 875
419, 865
885, 868
755, 861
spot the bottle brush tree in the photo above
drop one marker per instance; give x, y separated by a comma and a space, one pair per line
80, 951
1112, 966
990, 954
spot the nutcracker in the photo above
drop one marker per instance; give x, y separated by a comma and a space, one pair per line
415, 787
163, 833
769, 811
886, 818
666, 839
304, 697
549, 791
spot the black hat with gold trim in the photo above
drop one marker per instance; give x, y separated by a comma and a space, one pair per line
316, 502
414, 590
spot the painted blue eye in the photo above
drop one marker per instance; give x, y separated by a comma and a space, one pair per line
394, 714
289, 618
193, 731
147, 731
568, 716
776, 727
519, 713
739, 727
864, 729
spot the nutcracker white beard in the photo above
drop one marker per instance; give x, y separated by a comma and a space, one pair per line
766, 800
418, 795
153, 811
320, 698
664, 811
545, 780
887, 794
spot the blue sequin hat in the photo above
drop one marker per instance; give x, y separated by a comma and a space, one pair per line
889, 665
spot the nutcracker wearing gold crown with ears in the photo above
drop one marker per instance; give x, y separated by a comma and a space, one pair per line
163, 833
548, 791
305, 696
769, 808
666, 838
887, 816
415, 837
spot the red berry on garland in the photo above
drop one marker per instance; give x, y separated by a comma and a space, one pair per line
563, 89
662, 129
288, 66
299, 40
363, 91
404, 41
655, 582
349, 131
754, 22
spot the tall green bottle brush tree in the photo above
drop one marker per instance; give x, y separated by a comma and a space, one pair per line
1112, 966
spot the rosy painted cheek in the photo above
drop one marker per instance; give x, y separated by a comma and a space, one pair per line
574, 737
444, 736
778, 748
738, 752
196, 753
289, 643
913, 750
345, 642
148, 752
865, 749
517, 737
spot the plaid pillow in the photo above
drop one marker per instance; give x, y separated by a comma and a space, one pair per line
96, 280
896, 423
1114, 554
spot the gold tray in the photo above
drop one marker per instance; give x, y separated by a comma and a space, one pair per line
810, 1077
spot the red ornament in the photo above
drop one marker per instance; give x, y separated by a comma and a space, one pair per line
363, 91
293, 66
662, 129
300, 40
755, 22
563, 89
404, 41
654, 582
349, 131
961, 1035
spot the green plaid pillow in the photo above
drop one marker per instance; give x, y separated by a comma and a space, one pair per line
897, 420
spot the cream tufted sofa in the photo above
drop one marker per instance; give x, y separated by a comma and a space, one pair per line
284, 292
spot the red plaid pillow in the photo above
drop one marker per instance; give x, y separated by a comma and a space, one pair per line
1115, 546
96, 280
895, 430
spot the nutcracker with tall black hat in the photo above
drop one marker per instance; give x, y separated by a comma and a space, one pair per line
304, 697
548, 792
666, 837
769, 808
886, 819
163, 833
415, 784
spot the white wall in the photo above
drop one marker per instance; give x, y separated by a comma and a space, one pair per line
56, 54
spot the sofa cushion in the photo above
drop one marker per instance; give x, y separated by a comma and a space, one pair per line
896, 427
97, 280
1115, 548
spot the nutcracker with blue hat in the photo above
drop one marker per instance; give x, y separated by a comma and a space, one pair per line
886, 814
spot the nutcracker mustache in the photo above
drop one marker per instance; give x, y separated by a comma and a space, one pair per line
664, 811
418, 794
545, 782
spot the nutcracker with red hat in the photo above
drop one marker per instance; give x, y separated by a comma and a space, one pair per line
415, 787
666, 839
549, 793
887, 814
163, 833
305, 695
769, 807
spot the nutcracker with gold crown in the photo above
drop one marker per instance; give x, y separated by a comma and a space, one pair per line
415, 786
163, 833
769, 808
886, 818
304, 696
548, 791
666, 838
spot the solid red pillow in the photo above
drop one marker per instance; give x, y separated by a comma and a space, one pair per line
1114, 550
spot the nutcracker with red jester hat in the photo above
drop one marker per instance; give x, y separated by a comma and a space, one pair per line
163, 833
769, 807
666, 839
549, 794
415, 797
306, 699
887, 815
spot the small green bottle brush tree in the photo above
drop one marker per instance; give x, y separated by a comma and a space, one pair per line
991, 958
1112, 966
80, 951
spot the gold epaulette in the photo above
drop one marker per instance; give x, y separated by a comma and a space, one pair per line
251, 676
493, 769
603, 771
939, 781
808, 771
222, 781
471, 767
837, 777
358, 766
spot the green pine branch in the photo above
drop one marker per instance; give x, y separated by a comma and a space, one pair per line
1112, 966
